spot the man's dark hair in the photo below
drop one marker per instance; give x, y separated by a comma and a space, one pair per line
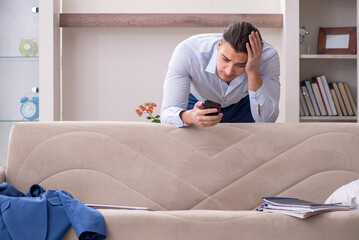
237, 34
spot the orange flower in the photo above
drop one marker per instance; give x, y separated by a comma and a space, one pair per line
139, 112
142, 108
147, 108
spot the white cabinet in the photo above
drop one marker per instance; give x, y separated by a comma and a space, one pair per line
19, 63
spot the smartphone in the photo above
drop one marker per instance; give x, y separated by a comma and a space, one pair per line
211, 104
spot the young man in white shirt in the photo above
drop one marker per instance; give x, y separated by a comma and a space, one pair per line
236, 69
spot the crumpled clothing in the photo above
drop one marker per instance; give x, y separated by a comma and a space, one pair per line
46, 215
347, 194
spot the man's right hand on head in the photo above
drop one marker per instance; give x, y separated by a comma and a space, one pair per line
197, 116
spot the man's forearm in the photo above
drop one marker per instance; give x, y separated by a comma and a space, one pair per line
186, 117
255, 81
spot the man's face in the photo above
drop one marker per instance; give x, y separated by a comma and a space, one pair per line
230, 64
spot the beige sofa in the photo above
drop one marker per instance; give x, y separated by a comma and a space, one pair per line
202, 183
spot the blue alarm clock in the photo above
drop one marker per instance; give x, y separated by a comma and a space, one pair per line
30, 108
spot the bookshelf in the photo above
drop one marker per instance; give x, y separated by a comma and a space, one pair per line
336, 68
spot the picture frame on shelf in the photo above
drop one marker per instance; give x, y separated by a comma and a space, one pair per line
337, 40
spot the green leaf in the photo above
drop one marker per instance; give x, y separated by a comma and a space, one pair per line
157, 116
149, 118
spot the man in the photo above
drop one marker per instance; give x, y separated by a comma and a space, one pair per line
235, 69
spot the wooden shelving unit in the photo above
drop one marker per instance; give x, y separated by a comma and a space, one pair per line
335, 67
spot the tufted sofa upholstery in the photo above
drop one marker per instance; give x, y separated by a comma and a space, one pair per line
202, 183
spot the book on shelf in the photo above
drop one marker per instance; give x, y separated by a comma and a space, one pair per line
351, 99
323, 94
329, 95
308, 101
345, 98
308, 85
298, 208
334, 85
301, 111
304, 111
336, 102
318, 97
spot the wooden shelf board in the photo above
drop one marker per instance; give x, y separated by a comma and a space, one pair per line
327, 56
18, 59
12, 121
167, 20
328, 118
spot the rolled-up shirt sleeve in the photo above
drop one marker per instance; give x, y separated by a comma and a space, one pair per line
265, 101
176, 87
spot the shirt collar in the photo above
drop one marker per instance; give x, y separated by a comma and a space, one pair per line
212, 64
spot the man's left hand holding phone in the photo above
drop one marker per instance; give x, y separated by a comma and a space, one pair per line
199, 116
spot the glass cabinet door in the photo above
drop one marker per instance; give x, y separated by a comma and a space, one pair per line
19, 66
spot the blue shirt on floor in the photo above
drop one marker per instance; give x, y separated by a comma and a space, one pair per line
192, 70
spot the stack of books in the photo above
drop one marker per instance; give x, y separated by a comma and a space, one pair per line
298, 208
320, 98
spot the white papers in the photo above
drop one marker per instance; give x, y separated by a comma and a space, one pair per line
102, 206
298, 208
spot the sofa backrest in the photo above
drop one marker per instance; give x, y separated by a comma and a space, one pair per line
226, 167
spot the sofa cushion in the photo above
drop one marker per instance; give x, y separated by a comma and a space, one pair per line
226, 225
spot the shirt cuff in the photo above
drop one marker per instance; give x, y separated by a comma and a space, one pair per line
260, 96
172, 116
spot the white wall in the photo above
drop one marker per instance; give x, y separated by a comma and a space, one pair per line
109, 72
174, 6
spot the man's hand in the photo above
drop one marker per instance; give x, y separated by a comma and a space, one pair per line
254, 57
197, 116
254, 52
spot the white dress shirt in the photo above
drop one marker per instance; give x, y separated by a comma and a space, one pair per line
192, 69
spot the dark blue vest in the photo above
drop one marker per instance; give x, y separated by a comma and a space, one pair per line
237, 112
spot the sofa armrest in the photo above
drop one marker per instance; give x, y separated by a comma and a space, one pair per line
2, 175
